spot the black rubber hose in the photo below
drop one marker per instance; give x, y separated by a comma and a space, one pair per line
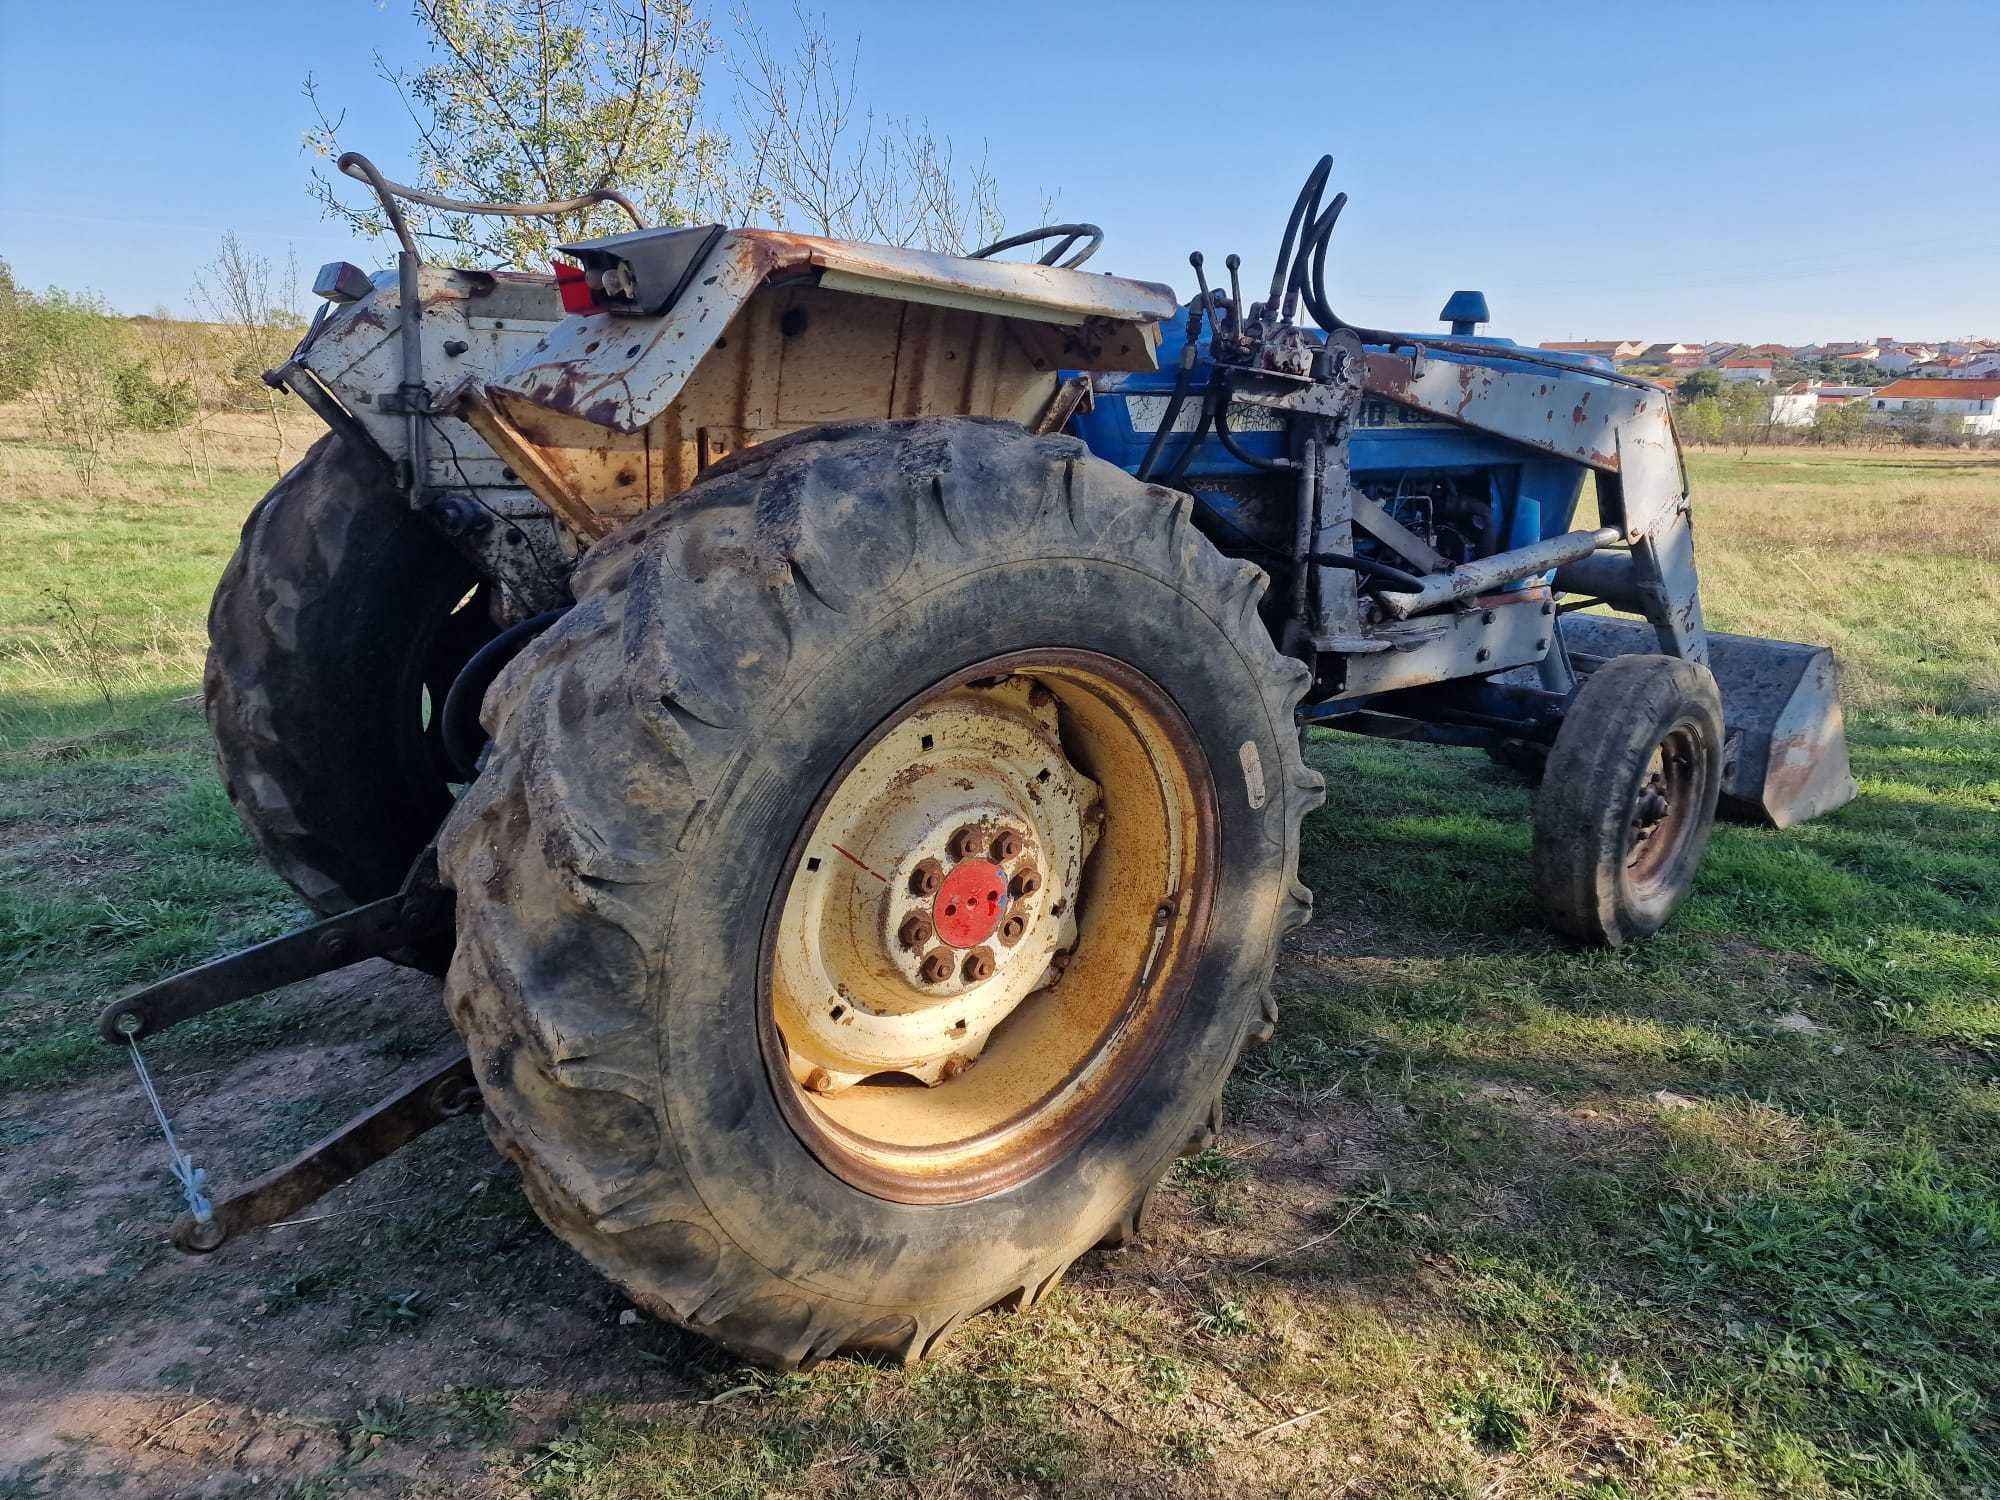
1304, 208
1236, 450
1406, 583
463, 737
1312, 249
1174, 404
1311, 279
1186, 456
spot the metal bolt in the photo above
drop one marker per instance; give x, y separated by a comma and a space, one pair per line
927, 877
819, 1080
1026, 882
1007, 846
953, 1066
1060, 962
979, 964
936, 967
1486, 618
915, 931
965, 843
1012, 928
1482, 654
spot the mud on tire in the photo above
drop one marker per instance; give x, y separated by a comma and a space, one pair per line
655, 757
338, 611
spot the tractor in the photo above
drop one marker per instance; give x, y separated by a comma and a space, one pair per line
832, 713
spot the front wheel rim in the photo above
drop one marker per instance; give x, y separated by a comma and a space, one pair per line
1665, 810
987, 925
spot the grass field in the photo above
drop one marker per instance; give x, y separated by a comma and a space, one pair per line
1718, 1215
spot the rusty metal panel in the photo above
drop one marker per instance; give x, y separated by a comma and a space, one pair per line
622, 372
795, 355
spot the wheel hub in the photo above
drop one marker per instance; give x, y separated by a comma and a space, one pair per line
968, 904
937, 892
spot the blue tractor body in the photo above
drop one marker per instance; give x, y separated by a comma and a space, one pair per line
1400, 456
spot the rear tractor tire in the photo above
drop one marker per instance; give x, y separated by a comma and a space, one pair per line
1627, 800
873, 880
334, 635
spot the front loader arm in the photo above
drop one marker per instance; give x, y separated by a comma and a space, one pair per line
1620, 428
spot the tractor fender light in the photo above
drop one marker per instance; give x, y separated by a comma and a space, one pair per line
338, 281
577, 296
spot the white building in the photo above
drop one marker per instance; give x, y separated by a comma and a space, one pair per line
1796, 405
1899, 360
1747, 368
1974, 403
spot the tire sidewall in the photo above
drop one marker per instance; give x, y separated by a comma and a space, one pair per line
1626, 709
764, 1189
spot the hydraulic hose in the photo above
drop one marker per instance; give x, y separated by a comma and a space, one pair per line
1172, 477
1404, 582
1304, 209
1174, 403
1235, 449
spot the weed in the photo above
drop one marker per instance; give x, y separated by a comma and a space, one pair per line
484, 1411
1225, 1319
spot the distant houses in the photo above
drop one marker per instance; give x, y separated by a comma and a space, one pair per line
1969, 407
1618, 351
1748, 367
1943, 390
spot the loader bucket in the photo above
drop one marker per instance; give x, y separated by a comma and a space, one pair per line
1786, 756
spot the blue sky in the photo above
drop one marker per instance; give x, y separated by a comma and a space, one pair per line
1667, 172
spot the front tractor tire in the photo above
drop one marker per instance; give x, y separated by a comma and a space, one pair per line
873, 881
1627, 800
334, 635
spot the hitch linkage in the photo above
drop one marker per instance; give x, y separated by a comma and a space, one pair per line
416, 922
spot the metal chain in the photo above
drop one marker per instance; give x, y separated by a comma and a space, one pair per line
193, 1180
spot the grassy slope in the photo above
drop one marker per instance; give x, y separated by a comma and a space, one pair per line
1721, 1213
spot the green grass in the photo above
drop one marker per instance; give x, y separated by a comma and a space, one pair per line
1718, 1214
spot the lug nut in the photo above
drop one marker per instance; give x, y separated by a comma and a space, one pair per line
1007, 846
1011, 930
979, 964
927, 877
1026, 882
953, 1066
936, 967
915, 931
965, 843
818, 1081
1060, 961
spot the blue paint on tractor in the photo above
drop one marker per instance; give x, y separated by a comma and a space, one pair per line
1534, 496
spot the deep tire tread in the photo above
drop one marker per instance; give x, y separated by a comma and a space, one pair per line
539, 862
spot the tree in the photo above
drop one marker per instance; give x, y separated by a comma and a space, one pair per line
815, 157
73, 346
539, 100
542, 100
18, 347
1698, 384
239, 290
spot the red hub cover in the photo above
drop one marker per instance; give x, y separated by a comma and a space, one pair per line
967, 906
